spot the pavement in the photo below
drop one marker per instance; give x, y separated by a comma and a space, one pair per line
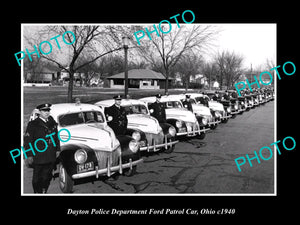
198, 166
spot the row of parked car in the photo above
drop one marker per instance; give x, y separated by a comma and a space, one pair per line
95, 150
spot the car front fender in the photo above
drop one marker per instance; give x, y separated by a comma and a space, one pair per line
66, 156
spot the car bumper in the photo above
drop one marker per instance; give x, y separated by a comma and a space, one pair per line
213, 123
193, 133
155, 147
233, 113
107, 171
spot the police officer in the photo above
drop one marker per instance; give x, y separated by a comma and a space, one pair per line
119, 118
226, 96
187, 103
159, 111
234, 94
42, 162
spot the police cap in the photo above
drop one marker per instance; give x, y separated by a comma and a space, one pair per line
158, 96
187, 96
117, 97
45, 106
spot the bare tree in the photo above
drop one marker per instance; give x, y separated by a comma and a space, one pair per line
189, 65
90, 40
210, 70
165, 50
229, 67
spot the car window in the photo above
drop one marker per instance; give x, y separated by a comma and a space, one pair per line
201, 100
173, 104
136, 109
80, 117
192, 101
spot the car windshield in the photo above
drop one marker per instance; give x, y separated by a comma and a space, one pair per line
201, 100
173, 104
136, 109
80, 118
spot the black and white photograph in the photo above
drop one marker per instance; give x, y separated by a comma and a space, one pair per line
143, 110
149, 109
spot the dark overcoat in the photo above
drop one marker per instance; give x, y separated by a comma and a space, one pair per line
119, 119
39, 129
159, 111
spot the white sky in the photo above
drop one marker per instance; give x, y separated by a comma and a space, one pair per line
256, 42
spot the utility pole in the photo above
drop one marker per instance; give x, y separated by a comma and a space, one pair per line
251, 74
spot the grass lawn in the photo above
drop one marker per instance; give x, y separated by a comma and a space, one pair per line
34, 96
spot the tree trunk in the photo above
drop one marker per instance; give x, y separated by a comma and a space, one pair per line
70, 87
167, 81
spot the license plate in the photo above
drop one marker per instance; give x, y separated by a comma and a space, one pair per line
85, 167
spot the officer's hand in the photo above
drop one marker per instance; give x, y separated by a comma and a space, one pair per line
29, 162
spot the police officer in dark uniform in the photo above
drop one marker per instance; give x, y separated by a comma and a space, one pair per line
234, 94
226, 96
119, 118
158, 110
42, 162
187, 103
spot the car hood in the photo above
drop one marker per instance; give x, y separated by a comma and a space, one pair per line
216, 106
201, 110
98, 136
181, 114
144, 123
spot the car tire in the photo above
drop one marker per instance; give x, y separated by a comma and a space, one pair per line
214, 126
65, 181
170, 149
201, 136
225, 121
130, 172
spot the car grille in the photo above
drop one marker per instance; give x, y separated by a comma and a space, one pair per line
105, 157
191, 127
158, 138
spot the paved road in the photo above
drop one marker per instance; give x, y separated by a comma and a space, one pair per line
199, 166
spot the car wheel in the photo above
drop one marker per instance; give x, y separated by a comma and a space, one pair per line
225, 121
170, 149
65, 181
214, 126
201, 136
130, 172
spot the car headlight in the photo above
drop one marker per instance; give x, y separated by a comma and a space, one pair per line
204, 121
236, 107
228, 110
178, 124
80, 156
217, 114
133, 146
136, 135
172, 131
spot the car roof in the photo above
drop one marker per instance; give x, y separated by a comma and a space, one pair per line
193, 95
164, 98
124, 102
64, 108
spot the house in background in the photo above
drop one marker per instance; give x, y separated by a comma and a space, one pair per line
41, 75
139, 78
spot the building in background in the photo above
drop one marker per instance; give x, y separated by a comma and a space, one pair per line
139, 78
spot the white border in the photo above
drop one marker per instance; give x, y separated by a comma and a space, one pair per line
148, 194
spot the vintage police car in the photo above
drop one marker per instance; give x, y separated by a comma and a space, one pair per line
231, 103
216, 108
200, 110
93, 148
145, 128
183, 120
